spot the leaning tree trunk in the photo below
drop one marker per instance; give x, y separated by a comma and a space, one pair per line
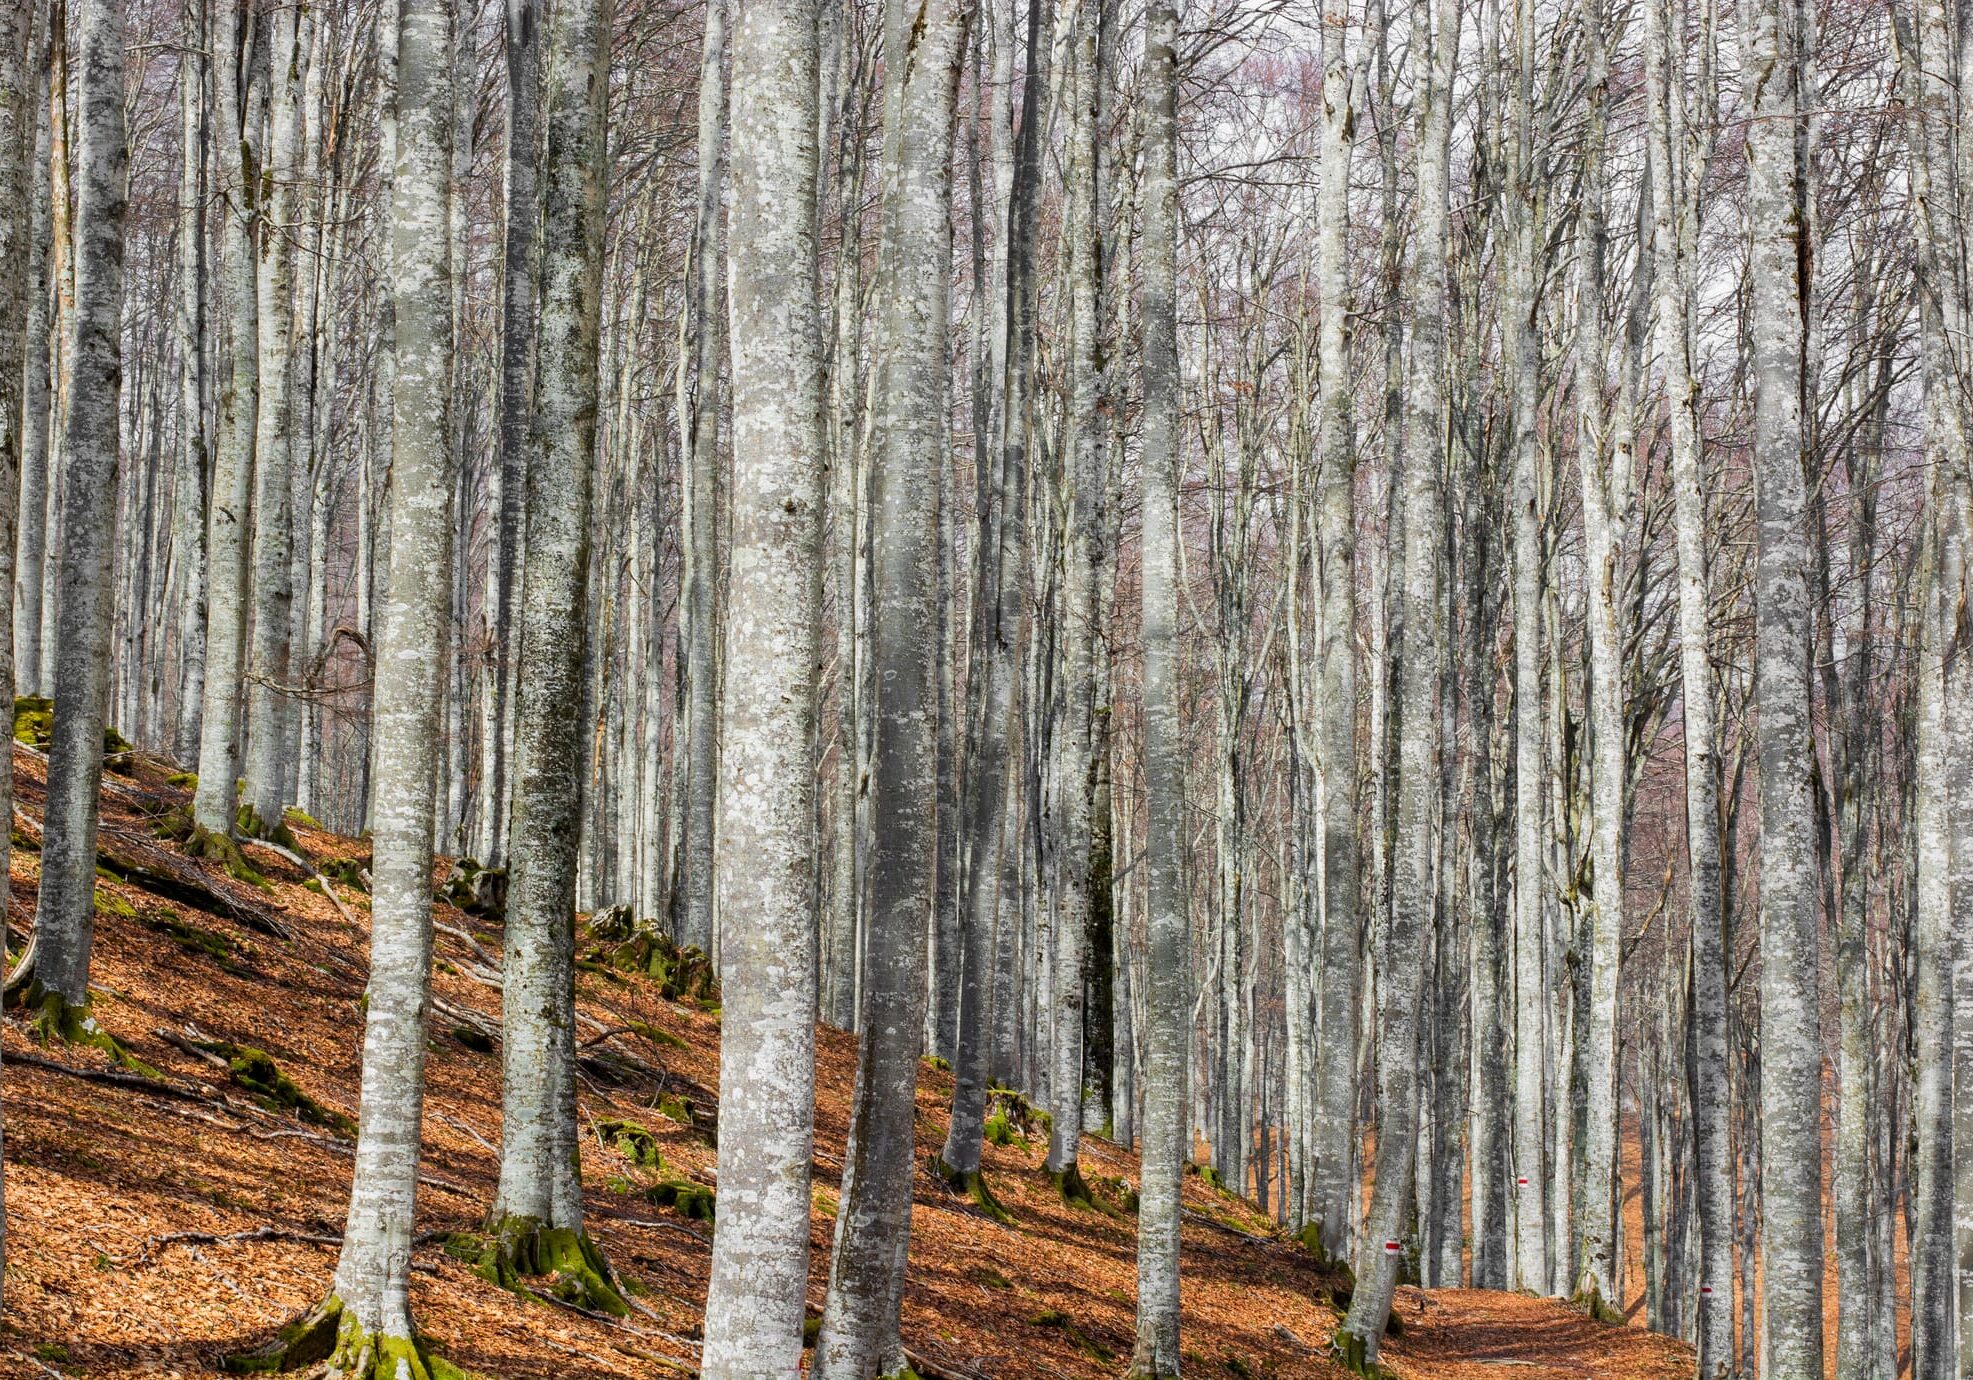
756, 1301
859, 1337
213, 804
1166, 1039
1791, 1036
64, 920
364, 1326
537, 1214
1412, 890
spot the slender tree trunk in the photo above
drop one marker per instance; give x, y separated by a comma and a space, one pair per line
32, 553
537, 1212
925, 47
213, 805
188, 508
1791, 1036
65, 912
369, 1307
271, 706
699, 409
1412, 892
1157, 1350
517, 350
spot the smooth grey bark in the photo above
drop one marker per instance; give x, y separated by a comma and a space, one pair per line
1332, 1142
16, 139
519, 296
187, 602
227, 511
65, 912
539, 1200
1084, 524
756, 1301
1677, 168
372, 1281
699, 418
1435, 47
991, 838
1791, 1038
1156, 1353
271, 707
924, 50
31, 553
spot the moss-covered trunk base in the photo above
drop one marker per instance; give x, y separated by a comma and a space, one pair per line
330, 1337
974, 1185
1357, 1355
1075, 1192
1589, 1300
53, 1020
521, 1254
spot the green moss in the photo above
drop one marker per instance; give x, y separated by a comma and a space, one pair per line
250, 825
474, 889
34, 720
1050, 1317
478, 1041
657, 1035
51, 1351
811, 1329
935, 1061
186, 780
1351, 1352
1001, 1131
634, 1142
1589, 1301
1239, 1366
676, 1107
53, 1021
294, 814
197, 841
521, 1254
206, 943
626, 945
1075, 1192
256, 1072
695, 1202
988, 1278
974, 1185
347, 871
306, 1341
109, 903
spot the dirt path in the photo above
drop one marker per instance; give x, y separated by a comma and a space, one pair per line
1478, 1334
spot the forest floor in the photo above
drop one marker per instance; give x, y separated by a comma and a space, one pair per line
158, 1222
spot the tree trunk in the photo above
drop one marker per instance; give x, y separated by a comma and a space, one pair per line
65, 912
859, 1337
767, 872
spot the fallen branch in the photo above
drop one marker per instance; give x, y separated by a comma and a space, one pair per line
206, 1238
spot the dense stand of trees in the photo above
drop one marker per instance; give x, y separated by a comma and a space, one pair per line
1371, 598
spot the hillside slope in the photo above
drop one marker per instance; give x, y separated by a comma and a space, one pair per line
157, 1223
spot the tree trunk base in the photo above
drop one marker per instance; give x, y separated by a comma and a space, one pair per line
1358, 1355
974, 1185
518, 1250
1074, 1190
1589, 1300
328, 1336
52, 1020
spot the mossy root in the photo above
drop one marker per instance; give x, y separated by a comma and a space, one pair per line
52, 1020
1353, 1354
523, 1255
1075, 1192
330, 1337
1589, 1300
973, 1184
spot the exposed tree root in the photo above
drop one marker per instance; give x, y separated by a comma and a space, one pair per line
974, 1185
1075, 1192
521, 1254
330, 1333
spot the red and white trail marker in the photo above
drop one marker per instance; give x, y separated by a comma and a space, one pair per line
1705, 1291
1522, 1181
1392, 1247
